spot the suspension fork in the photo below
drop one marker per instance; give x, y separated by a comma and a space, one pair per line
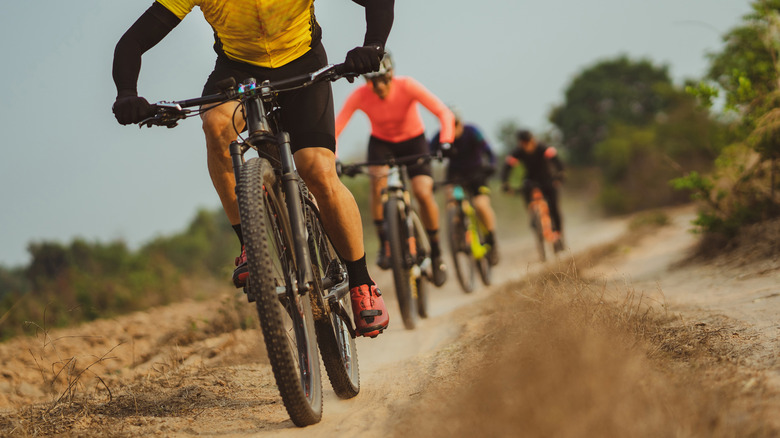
300, 234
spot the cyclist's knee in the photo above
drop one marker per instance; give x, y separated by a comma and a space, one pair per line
423, 194
218, 129
320, 176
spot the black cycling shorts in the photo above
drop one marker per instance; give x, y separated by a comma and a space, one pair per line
473, 181
381, 150
307, 113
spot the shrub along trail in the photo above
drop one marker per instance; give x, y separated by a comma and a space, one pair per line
621, 337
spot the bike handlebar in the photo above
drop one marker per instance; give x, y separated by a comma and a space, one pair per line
357, 168
169, 113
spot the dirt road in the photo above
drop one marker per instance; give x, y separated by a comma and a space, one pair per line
190, 369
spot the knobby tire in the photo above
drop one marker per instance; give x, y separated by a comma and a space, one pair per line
536, 224
394, 212
460, 248
286, 319
423, 250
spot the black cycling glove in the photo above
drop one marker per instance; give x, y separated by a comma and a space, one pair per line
131, 109
364, 59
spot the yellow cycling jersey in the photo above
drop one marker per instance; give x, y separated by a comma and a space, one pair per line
266, 33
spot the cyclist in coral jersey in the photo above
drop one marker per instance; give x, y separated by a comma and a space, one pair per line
271, 40
397, 131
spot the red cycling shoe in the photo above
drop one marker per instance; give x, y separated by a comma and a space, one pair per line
242, 270
369, 309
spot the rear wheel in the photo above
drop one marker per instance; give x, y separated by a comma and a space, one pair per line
337, 346
399, 254
285, 315
460, 248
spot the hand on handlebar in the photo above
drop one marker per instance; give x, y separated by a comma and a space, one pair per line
364, 59
131, 109
349, 170
442, 151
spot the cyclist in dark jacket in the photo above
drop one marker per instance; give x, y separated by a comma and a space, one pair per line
470, 162
542, 167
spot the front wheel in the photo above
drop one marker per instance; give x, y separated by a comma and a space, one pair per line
421, 278
460, 248
394, 211
286, 316
536, 225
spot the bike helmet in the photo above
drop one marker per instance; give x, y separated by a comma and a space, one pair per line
456, 112
524, 135
385, 67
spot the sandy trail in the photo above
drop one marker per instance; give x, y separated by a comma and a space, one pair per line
169, 375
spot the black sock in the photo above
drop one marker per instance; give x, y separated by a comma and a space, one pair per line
433, 236
237, 229
358, 272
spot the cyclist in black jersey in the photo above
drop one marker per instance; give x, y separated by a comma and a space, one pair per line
542, 166
270, 41
470, 162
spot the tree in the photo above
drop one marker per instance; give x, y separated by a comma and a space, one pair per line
617, 91
746, 73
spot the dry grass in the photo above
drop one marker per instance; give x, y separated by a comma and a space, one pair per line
85, 396
574, 358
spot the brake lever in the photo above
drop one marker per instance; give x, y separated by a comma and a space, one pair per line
166, 114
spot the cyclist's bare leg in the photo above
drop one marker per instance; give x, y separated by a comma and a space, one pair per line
338, 209
378, 176
422, 187
341, 219
485, 212
218, 126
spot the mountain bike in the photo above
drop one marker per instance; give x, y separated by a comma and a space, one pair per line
467, 240
297, 282
539, 212
410, 248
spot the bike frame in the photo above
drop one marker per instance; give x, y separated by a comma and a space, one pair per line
410, 265
260, 133
539, 207
397, 181
295, 367
478, 250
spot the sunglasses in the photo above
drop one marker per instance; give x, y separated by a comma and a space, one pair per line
380, 80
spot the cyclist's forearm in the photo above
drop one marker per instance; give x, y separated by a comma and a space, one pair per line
489, 153
147, 31
379, 20
343, 117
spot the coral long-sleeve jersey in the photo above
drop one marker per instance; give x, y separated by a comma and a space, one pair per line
396, 118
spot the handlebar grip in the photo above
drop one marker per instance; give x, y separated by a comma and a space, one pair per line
226, 84
341, 70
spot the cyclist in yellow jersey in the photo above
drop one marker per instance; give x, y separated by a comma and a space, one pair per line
271, 39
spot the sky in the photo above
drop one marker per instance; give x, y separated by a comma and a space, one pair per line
69, 170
